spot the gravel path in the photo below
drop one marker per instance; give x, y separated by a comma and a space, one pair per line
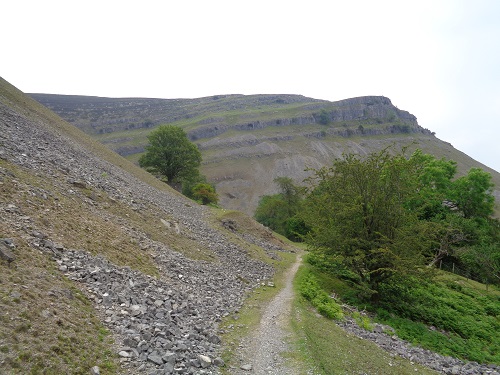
261, 352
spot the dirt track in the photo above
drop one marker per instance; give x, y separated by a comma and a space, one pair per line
264, 348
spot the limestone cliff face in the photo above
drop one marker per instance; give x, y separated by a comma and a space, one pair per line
376, 108
248, 141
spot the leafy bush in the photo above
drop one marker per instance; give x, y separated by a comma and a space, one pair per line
449, 315
205, 193
279, 211
331, 265
324, 117
295, 229
492, 309
445, 316
310, 290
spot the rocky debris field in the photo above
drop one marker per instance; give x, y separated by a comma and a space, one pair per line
165, 325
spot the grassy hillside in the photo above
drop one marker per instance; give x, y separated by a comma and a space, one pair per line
256, 135
449, 314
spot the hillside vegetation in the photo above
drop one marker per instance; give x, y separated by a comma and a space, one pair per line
241, 137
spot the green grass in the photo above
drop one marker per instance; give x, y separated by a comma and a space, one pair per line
449, 315
330, 350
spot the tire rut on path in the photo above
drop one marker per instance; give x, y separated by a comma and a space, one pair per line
264, 348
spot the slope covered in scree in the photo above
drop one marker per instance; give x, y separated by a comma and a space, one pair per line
104, 251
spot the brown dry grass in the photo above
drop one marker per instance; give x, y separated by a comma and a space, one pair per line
47, 325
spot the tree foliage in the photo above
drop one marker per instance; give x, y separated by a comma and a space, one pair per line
473, 194
385, 215
171, 154
205, 193
357, 212
280, 211
324, 117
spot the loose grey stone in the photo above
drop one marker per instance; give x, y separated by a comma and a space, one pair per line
168, 368
169, 357
205, 361
218, 362
5, 252
155, 358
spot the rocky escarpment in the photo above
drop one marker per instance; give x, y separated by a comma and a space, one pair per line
216, 115
165, 325
247, 136
377, 109
243, 136
96, 115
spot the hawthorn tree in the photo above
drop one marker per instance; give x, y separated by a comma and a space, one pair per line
171, 154
473, 194
385, 215
356, 212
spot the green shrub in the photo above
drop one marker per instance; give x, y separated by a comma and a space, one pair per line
205, 193
363, 321
310, 290
492, 309
449, 315
324, 117
464, 321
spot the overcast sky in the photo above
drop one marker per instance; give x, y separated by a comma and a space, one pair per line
439, 60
